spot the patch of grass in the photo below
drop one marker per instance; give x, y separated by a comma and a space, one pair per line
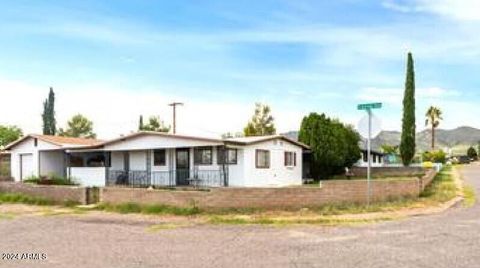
127, 208
165, 226
285, 221
442, 188
6, 216
469, 196
13, 198
24, 199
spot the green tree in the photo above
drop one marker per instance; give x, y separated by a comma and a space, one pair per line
9, 134
334, 145
407, 144
48, 116
79, 127
262, 122
389, 149
433, 117
472, 153
154, 124
435, 156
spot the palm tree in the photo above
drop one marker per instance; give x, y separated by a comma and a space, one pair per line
433, 117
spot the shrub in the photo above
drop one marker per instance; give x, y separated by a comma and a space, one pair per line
51, 179
435, 156
472, 153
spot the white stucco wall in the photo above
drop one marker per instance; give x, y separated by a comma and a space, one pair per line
28, 147
138, 160
278, 174
88, 176
153, 141
52, 162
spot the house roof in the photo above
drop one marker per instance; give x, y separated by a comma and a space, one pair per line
151, 133
258, 139
82, 143
57, 140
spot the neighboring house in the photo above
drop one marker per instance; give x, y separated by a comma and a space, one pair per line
160, 159
377, 159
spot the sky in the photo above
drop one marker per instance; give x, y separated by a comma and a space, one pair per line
113, 62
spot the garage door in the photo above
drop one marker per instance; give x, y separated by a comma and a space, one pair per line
26, 165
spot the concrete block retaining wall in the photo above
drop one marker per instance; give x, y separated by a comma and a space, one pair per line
337, 191
55, 193
328, 192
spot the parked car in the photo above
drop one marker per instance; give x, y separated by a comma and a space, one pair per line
463, 159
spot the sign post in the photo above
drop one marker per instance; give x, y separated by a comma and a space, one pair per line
368, 107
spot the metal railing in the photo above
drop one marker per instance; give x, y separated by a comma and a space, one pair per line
170, 178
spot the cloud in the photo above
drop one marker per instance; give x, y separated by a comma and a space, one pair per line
115, 110
394, 96
462, 10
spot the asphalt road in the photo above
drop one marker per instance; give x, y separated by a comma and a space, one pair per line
450, 239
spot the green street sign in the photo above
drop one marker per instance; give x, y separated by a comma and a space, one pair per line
369, 106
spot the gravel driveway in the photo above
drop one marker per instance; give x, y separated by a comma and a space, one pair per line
451, 239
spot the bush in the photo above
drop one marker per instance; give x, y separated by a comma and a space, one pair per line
435, 156
334, 145
51, 179
472, 153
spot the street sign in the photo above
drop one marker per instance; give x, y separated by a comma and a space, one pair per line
369, 106
375, 127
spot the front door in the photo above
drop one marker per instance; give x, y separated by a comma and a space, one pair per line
182, 166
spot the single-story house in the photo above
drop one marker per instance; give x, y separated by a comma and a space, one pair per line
160, 159
377, 159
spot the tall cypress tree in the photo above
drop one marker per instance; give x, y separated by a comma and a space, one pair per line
48, 116
407, 145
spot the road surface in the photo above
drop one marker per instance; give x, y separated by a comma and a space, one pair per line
450, 239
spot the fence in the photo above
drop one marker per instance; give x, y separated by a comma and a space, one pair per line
171, 178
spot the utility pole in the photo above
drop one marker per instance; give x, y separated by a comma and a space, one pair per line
174, 106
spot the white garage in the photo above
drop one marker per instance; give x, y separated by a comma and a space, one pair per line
41, 155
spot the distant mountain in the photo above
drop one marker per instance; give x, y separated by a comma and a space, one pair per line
458, 139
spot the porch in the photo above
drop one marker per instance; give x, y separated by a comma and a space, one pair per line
170, 178
168, 167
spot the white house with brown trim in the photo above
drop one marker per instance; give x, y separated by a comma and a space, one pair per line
160, 159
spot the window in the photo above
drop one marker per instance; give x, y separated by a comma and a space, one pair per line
226, 156
35, 142
290, 159
76, 160
97, 159
203, 156
365, 157
262, 159
94, 159
159, 157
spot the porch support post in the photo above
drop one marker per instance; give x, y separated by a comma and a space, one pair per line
149, 166
107, 167
65, 165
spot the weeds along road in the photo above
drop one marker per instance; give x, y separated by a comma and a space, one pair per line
451, 239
